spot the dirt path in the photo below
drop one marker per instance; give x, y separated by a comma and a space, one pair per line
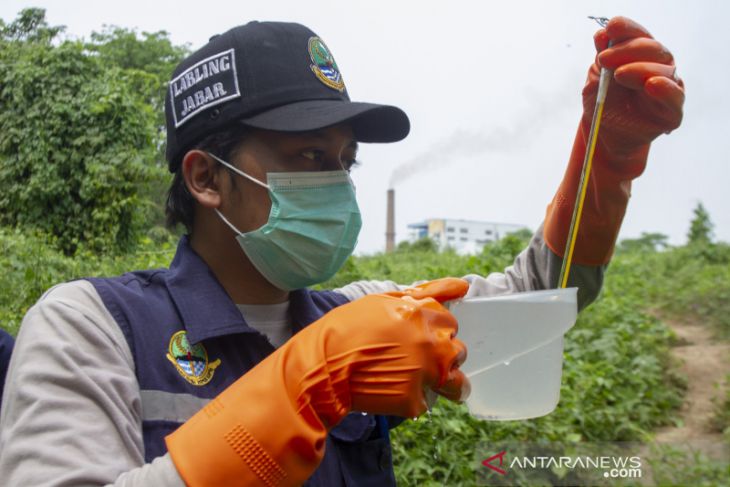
705, 362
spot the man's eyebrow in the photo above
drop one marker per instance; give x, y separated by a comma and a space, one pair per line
321, 134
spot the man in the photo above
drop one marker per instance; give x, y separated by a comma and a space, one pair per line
225, 369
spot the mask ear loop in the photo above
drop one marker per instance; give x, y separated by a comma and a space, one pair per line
347, 172
225, 220
240, 173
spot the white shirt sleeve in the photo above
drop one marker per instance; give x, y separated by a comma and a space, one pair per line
535, 268
71, 410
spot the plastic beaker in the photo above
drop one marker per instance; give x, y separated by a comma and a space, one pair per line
515, 351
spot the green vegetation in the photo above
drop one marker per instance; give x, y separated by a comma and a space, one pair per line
80, 139
681, 467
700, 230
29, 265
721, 420
689, 282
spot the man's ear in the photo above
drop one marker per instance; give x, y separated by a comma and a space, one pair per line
202, 178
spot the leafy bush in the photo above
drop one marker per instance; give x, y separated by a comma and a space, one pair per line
421, 261
691, 282
80, 133
75, 144
721, 420
681, 467
30, 264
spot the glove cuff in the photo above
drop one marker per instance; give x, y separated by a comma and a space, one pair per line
607, 196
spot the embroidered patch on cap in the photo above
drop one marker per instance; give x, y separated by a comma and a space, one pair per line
324, 65
191, 362
203, 85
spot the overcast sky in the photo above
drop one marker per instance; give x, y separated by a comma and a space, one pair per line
493, 93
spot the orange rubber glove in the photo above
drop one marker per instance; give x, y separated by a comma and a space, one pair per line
644, 100
375, 354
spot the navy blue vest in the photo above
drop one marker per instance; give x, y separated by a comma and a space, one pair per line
6, 349
151, 307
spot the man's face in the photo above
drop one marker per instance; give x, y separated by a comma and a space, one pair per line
247, 204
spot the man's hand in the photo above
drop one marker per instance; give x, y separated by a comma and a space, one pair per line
644, 100
645, 96
456, 387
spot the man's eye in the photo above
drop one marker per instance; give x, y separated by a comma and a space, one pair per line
313, 154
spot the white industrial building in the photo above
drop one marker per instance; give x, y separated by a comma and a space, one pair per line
464, 236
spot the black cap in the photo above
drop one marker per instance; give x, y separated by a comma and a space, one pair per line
268, 75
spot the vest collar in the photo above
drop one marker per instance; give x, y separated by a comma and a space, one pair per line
205, 307
203, 304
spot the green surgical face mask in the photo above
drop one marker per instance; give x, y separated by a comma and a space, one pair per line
312, 229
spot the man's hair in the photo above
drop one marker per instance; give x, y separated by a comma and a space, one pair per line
180, 206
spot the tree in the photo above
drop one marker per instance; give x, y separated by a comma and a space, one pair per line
425, 244
700, 229
149, 52
30, 26
152, 57
76, 141
647, 242
82, 131
523, 234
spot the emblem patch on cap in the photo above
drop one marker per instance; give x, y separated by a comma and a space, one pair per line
324, 65
203, 85
191, 362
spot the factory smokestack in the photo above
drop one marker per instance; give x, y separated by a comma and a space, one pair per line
390, 222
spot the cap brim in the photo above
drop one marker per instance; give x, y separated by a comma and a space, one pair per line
370, 122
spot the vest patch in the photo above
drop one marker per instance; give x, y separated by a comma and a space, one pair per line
203, 85
191, 362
